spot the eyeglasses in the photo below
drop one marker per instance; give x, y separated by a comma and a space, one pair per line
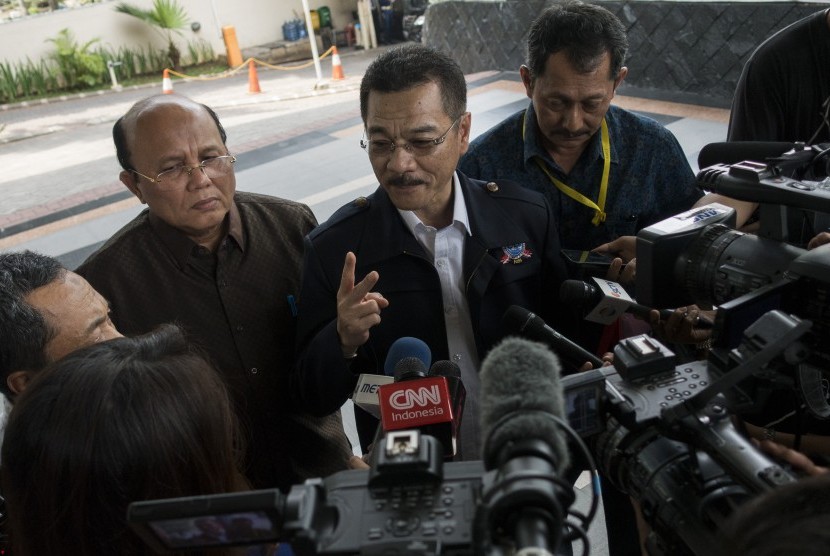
418, 147
178, 176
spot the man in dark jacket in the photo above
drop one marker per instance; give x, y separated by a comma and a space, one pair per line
431, 254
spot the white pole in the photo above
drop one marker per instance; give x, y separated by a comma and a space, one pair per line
313, 40
215, 17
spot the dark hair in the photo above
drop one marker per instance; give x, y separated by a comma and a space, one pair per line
24, 332
119, 137
583, 31
124, 420
408, 66
791, 519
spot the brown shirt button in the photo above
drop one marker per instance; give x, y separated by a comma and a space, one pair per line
492, 186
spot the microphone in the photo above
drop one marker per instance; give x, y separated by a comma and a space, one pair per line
458, 393
738, 151
418, 401
522, 405
604, 302
404, 347
365, 394
520, 321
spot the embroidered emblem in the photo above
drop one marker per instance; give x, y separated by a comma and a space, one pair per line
515, 254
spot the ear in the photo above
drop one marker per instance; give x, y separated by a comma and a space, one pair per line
17, 381
527, 79
464, 131
620, 78
128, 179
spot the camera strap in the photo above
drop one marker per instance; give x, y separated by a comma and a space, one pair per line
599, 206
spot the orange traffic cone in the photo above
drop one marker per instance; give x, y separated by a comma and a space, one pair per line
336, 66
253, 79
166, 82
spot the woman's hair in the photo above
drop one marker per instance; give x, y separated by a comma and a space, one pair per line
792, 519
125, 420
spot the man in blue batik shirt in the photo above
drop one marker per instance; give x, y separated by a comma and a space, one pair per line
606, 172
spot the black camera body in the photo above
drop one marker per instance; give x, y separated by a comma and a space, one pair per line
409, 502
661, 430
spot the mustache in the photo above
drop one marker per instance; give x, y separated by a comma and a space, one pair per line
404, 180
570, 135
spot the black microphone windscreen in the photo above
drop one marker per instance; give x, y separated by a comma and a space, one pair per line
446, 368
579, 295
516, 319
409, 368
733, 152
520, 321
519, 384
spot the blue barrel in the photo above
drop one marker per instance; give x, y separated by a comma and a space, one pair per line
291, 30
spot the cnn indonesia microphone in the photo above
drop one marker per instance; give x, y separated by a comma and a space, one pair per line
418, 401
365, 394
525, 452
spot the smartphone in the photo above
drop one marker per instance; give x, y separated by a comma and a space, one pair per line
591, 263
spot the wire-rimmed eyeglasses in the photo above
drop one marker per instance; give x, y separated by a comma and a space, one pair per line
214, 167
416, 147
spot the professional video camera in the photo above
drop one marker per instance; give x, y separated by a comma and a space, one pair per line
788, 180
662, 431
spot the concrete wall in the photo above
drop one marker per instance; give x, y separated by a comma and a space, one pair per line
686, 51
256, 22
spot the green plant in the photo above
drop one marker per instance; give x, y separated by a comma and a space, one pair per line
77, 63
167, 16
8, 84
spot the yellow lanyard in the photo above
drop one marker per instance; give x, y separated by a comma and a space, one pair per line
599, 206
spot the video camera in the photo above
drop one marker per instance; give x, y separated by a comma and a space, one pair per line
514, 501
409, 502
661, 429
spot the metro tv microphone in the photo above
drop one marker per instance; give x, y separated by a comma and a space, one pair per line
365, 394
604, 301
522, 322
525, 450
418, 401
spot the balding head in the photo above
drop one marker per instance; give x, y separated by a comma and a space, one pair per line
123, 130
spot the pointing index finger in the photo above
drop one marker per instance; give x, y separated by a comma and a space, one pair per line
347, 277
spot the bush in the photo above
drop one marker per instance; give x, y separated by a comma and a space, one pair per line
78, 66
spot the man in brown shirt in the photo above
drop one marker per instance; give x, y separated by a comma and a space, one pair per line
225, 266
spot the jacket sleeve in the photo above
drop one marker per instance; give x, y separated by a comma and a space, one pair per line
321, 379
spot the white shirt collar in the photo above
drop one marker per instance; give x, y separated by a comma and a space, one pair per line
459, 211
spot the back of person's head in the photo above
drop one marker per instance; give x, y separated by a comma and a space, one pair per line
24, 332
125, 420
583, 31
793, 519
123, 126
405, 67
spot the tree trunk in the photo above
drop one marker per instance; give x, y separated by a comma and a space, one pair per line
175, 56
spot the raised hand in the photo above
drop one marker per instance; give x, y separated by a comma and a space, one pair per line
358, 308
